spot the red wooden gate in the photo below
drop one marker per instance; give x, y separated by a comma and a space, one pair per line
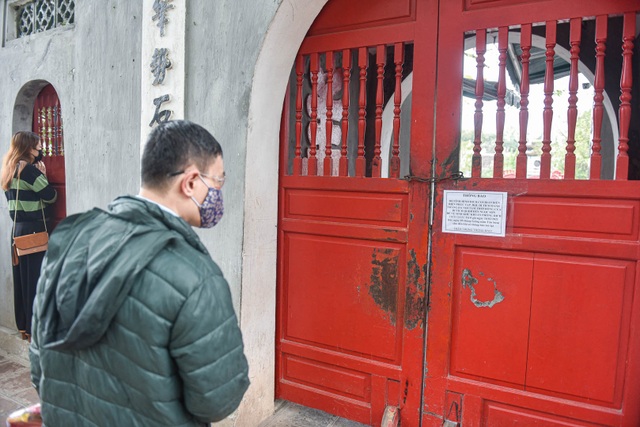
47, 122
541, 326
351, 281
536, 327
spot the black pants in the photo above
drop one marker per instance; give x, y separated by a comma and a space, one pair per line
25, 278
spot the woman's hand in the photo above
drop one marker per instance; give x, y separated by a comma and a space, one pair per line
41, 167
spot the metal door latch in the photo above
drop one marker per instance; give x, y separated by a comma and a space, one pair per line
454, 412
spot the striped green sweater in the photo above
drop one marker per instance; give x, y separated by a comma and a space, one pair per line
35, 192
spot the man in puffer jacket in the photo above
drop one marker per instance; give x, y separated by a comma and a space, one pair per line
133, 322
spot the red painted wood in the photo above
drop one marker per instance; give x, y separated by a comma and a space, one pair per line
297, 160
568, 244
547, 113
486, 343
590, 226
567, 318
535, 11
346, 76
348, 258
598, 97
380, 62
626, 80
391, 34
498, 158
394, 162
312, 160
329, 103
481, 49
48, 123
344, 15
572, 113
525, 45
363, 59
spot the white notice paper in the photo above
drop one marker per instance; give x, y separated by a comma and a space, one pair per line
482, 213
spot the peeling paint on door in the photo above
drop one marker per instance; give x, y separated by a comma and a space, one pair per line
415, 293
383, 287
469, 281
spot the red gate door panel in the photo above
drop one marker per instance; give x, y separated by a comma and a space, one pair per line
352, 243
346, 316
359, 316
492, 300
498, 415
580, 321
540, 327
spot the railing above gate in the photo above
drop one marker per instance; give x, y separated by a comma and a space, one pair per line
348, 106
522, 61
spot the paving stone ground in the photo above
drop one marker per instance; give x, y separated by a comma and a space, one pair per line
16, 391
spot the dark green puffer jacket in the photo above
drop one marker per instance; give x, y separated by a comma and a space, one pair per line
133, 324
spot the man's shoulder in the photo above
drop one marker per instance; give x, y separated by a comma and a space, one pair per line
79, 221
185, 267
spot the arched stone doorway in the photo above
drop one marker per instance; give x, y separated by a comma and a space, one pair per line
257, 315
38, 108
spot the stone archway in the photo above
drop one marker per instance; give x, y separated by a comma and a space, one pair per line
23, 106
258, 302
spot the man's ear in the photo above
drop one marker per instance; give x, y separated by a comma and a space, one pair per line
188, 182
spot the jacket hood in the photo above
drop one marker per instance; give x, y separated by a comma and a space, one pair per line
92, 261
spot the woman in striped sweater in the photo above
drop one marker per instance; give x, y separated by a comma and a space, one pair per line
22, 166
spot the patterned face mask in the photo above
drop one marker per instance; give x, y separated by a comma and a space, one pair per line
212, 208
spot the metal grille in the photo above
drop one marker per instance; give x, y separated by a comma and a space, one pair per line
42, 15
65, 12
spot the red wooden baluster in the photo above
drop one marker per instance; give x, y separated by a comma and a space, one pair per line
363, 57
476, 159
297, 159
313, 161
50, 129
498, 158
572, 113
626, 80
41, 125
56, 130
598, 97
394, 163
60, 132
346, 75
547, 114
381, 53
525, 45
329, 139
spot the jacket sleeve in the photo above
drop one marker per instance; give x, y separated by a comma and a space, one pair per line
207, 346
40, 185
34, 349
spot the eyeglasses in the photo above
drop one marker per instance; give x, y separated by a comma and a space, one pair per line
219, 180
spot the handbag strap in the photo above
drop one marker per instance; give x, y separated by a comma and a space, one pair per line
15, 212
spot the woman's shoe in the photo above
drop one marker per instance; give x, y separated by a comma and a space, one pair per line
23, 334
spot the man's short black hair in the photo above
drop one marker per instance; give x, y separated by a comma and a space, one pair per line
174, 145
